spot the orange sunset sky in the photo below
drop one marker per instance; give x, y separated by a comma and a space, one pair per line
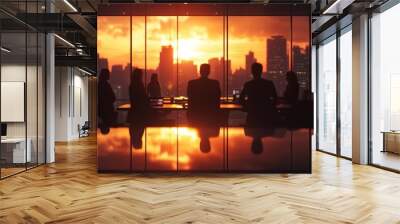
198, 38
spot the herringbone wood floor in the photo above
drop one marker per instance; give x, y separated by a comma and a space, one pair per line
71, 191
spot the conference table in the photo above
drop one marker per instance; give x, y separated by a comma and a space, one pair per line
179, 106
180, 103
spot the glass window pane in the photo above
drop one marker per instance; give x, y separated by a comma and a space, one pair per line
327, 96
385, 89
200, 40
137, 132
266, 40
161, 58
114, 77
346, 94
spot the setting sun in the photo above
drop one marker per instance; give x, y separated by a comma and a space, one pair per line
188, 49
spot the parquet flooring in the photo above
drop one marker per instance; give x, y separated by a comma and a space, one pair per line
71, 191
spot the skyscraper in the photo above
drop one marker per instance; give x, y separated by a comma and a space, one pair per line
101, 63
166, 71
277, 58
187, 71
277, 62
250, 60
301, 66
218, 69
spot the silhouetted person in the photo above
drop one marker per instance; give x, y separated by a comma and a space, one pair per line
136, 132
106, 97
140, 108
292, 88
258, 98
257, 146
203, 99
205, 133
301, 115
153, 88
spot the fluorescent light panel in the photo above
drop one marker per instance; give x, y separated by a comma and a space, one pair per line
84, 71
338, 6
70, 5
5, 50
64, 40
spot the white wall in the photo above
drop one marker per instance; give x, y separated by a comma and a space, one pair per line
16, 73
71, 102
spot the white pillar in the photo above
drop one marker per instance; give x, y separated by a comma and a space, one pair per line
360, 90
50, 92
50, 98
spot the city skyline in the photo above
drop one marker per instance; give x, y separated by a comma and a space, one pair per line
277, 59
199, 37
279, 63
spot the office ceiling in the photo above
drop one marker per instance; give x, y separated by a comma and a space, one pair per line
77, 24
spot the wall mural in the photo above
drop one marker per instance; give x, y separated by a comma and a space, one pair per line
204, 87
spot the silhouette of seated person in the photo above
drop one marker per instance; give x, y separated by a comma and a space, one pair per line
257, 134
258, 99
203, 99
139, 113
153, 88
292, 89
106, 97
205, 133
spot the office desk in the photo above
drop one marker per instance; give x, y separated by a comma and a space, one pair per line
13, 150
391, 141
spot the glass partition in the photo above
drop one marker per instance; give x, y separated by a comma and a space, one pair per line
15, 149
22, 92
32, 98
205, 88
41, 97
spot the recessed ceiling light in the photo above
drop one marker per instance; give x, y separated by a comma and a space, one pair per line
5, 50
70, 5
84, 71
338, 6
65, 41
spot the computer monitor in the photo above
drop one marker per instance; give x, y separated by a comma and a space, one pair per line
3, 130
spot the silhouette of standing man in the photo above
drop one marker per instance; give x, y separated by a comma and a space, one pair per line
258, 99
203, 99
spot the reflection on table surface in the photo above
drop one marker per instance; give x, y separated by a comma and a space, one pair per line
191, 149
